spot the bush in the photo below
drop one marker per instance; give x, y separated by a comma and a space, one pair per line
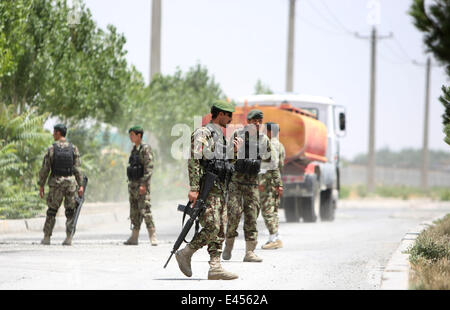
430, 257
344, 192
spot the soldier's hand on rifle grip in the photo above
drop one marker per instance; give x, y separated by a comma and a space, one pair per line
80, 191
192, 196
41, 191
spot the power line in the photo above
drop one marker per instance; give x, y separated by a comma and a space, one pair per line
333, 25
306, 21
336, 19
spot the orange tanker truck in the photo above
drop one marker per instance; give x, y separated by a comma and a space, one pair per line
310, 129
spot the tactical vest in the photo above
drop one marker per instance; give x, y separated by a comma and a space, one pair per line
219, 165
62, 164
247, 165
135, 169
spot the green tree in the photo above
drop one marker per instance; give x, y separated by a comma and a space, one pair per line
22, 144
261, 88
435, 23
170, 100
72, 70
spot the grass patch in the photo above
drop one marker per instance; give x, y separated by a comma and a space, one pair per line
400, 192
430, 258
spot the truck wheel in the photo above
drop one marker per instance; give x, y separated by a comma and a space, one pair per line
310, 207
290, 210
327, 205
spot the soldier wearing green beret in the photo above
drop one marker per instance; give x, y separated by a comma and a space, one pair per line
244, 194
209, 143
139, 173
62, 159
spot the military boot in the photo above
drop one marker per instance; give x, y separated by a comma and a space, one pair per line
68, 240
46, 240
216, 272
152, 236
133, 240
272, 245
48, 228
250, 256
184, 260
229, 242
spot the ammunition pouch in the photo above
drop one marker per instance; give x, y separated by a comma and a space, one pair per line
222, 168
135, 170
248, 166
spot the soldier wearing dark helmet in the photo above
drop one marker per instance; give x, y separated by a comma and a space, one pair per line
62, 161
139, 173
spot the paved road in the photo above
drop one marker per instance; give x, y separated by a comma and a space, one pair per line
349, 253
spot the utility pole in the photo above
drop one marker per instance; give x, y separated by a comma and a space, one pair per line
155, 39
424, 179
290, 48
373, 61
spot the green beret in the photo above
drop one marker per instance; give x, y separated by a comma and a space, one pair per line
255, 114
136, 129
224, 105
60, 126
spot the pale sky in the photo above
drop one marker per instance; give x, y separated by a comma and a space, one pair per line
241, 41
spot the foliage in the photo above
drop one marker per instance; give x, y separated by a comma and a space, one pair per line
71, 70
170, 100
430, 257
397, 192
434, 21
261, 88
22, 143
445, 100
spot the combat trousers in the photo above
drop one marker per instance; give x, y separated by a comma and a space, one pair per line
270, 202
62, 191
212, 221
243, 199
139, 206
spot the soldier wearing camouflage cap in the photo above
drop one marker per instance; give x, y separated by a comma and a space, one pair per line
62, 159
244, 195
208, 142
139, 174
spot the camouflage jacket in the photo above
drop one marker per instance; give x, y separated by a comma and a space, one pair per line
47, 167
268, 177
279, 149
268, 158
146, 157
207, 142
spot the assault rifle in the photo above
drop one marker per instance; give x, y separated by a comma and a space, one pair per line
194, 212
79, 202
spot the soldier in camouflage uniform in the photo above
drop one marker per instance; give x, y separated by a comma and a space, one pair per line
270, 193
63, 161
244, 194
139, 173
208, 142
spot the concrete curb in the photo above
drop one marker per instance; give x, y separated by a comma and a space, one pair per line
92, 214
396, 274
36, 224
